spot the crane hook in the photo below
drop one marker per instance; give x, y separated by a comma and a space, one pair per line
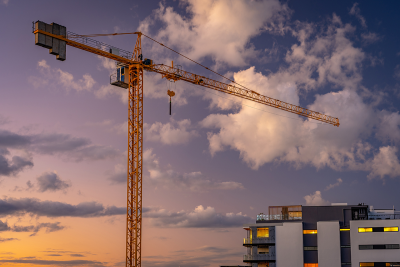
171, 94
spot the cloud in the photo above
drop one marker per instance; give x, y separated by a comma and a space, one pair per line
76, 255
4, 226
370, 37
50, 181
106, 90
325, 57
315, 199
388, 129
206, 33
11, 167
55, 263
385, 163
171, 133
67, 79
170, 179
202, 256
5, 2
58, 77
119, 175
33, 206
339, 182
68, 146
200, 217
7, 239
49, 227
355, 10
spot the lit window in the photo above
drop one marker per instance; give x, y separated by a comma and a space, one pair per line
262, 232
366, 264
310, 264
344, 229
309, 232
391, 229
364, 230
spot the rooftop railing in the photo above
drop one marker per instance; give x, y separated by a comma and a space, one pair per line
266, 217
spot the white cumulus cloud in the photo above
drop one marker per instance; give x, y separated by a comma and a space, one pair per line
316, 199
174, 132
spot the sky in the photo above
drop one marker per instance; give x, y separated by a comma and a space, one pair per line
218, 161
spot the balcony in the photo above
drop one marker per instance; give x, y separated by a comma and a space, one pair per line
259, 257
259, 241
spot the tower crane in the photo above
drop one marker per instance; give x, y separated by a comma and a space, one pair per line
55, 37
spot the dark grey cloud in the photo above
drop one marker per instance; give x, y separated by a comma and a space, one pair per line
56, 263
13, 140
50, 181
76, 255
49, 227
4, 226
65, 145
7, 239
33, 206
14, 166
118, 178
200, 217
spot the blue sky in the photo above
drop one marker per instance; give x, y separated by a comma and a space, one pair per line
217, 161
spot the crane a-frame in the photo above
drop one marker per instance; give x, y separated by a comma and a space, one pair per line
55, 37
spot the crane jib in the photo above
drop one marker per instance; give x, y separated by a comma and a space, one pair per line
179, 74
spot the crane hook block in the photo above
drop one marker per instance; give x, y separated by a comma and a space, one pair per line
171, 94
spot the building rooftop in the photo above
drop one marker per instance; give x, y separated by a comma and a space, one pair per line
312, 214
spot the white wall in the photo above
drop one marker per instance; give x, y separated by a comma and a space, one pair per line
328, 237
289, 245
384, 255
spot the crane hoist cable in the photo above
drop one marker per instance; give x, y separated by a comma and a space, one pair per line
125, 33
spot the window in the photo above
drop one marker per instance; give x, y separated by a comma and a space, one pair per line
262, 232
378, 264
391, 229
344, 229
310, 264
310, 248
263, 250
377, 229
309, 232
387, 246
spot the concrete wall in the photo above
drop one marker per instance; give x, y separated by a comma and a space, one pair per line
329, 244
374, 238
289, 244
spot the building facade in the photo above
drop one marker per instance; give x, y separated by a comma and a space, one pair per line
324, 236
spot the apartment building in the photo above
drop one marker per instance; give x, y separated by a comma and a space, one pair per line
324, 236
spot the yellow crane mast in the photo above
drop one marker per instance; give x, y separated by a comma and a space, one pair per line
55, 37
